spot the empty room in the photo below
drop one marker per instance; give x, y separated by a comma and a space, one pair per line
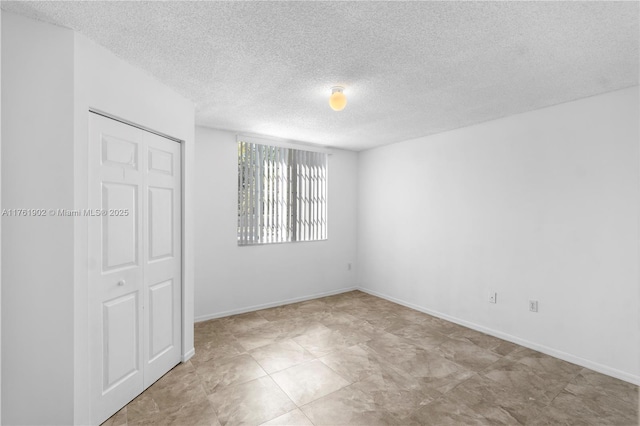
319, 213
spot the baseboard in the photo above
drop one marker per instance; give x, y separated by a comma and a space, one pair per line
600, 368
271, 304
187, 356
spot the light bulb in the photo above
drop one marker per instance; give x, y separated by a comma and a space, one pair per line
337, 100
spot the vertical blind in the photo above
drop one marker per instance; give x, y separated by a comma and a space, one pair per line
282, 194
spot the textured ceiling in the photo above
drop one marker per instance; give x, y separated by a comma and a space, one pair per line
409, 68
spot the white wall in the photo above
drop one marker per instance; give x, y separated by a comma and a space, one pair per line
541, 205
37, 252
0, 220
51, 77
232, 279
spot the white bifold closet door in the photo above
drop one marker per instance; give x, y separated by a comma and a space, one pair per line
134, 261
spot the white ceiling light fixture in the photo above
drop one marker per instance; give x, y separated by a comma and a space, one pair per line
337, 100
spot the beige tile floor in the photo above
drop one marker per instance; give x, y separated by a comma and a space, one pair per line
355, 359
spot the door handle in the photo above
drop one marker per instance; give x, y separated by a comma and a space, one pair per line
121, 283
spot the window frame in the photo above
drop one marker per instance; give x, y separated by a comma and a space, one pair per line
269, 192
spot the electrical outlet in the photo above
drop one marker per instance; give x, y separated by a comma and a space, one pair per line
533, 305
493, 297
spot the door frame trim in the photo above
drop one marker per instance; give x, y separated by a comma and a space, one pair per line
132, 124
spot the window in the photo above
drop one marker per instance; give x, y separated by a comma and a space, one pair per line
282, 194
